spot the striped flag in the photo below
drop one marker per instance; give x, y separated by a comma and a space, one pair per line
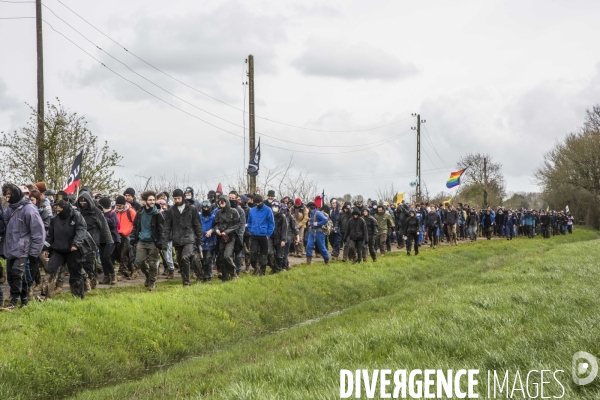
455, 178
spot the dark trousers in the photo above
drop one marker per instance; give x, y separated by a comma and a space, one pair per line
207, 264
15, 271
123, 256
225, 259
372, 251
184, 259
34, 268
285, 262
106, 251
76, 272
259, 247
359, 246
488, 229
410, 238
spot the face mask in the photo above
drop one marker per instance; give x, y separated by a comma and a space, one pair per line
205, 213
275, 210
259, 206
188, 197
233, 203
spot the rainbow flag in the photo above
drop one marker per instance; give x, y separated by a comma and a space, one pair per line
455, 178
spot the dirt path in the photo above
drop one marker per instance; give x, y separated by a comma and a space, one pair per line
140, 279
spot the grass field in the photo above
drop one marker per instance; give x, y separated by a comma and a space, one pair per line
527, 304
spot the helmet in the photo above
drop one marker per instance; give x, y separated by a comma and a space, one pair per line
49, 192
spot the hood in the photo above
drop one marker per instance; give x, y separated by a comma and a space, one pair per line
23, 202
346, 204
90, 202
227, 205
244, 200
191, 190
355, 211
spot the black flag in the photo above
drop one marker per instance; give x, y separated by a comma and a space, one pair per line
253, 164
74, 176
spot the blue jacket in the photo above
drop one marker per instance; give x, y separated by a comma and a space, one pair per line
25, 231
335, 213
261, 222
208, 223
490, 218
320, 218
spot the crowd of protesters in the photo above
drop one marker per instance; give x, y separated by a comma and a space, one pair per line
46, 236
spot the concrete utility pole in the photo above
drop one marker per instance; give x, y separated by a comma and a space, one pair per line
418, 128
252, 144
40, 170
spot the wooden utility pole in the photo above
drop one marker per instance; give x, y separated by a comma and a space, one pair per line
252, 143
40, 171
485, 183
418, 129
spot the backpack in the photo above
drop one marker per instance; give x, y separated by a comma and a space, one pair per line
326, 228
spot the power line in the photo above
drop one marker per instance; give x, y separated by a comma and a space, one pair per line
434, 149
208, 123
214, 98
201, 109
16, 17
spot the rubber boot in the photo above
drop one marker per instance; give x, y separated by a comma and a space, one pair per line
106, 280
113, 279
308, 260
326, 261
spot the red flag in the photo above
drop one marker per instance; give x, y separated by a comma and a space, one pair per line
219, 188
74, 179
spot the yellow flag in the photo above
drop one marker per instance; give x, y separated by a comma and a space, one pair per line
398, 198
548, 208
448, 201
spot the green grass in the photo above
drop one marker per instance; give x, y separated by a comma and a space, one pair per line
522, 305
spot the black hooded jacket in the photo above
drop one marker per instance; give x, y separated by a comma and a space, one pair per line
227, 219
412, 225
433, 220
357, 228
344, 217
280, 232
372, 226
69, 231
94, 219
183, 227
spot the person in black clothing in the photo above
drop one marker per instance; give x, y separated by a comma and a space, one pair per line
545, 222
473, 224
372, 231
182, 221
342, 226
433, 223
413, 229
106, 249
451, 220
279, 236
292, 235
97, 226
487, 221
129, 194
227, 223
356, 234
400, 217
66, 238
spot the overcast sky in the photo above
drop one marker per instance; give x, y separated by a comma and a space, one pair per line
508, 78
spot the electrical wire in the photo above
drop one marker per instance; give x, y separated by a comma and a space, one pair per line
214, 98
387, 140
16, 17
201, 109
434, 149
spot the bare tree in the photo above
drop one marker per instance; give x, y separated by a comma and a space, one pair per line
483, 178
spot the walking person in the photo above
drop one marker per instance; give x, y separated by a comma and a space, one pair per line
292, 235
473, 224
413, 230
96, 225
279, 236
229, 242
341, 228
384, 224
182, 223
433, 222
207, 219
23, 239
371, 235
357, 234
261, 224
123, 254
451, 221
488, 223
106, 248
301, 214
316, 236
147, 235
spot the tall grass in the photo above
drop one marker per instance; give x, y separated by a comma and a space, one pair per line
54, 349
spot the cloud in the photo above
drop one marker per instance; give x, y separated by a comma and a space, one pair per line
198, 48
332, 58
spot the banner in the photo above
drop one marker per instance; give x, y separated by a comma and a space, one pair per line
253, 164
74, 180
398, 198
415, 182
